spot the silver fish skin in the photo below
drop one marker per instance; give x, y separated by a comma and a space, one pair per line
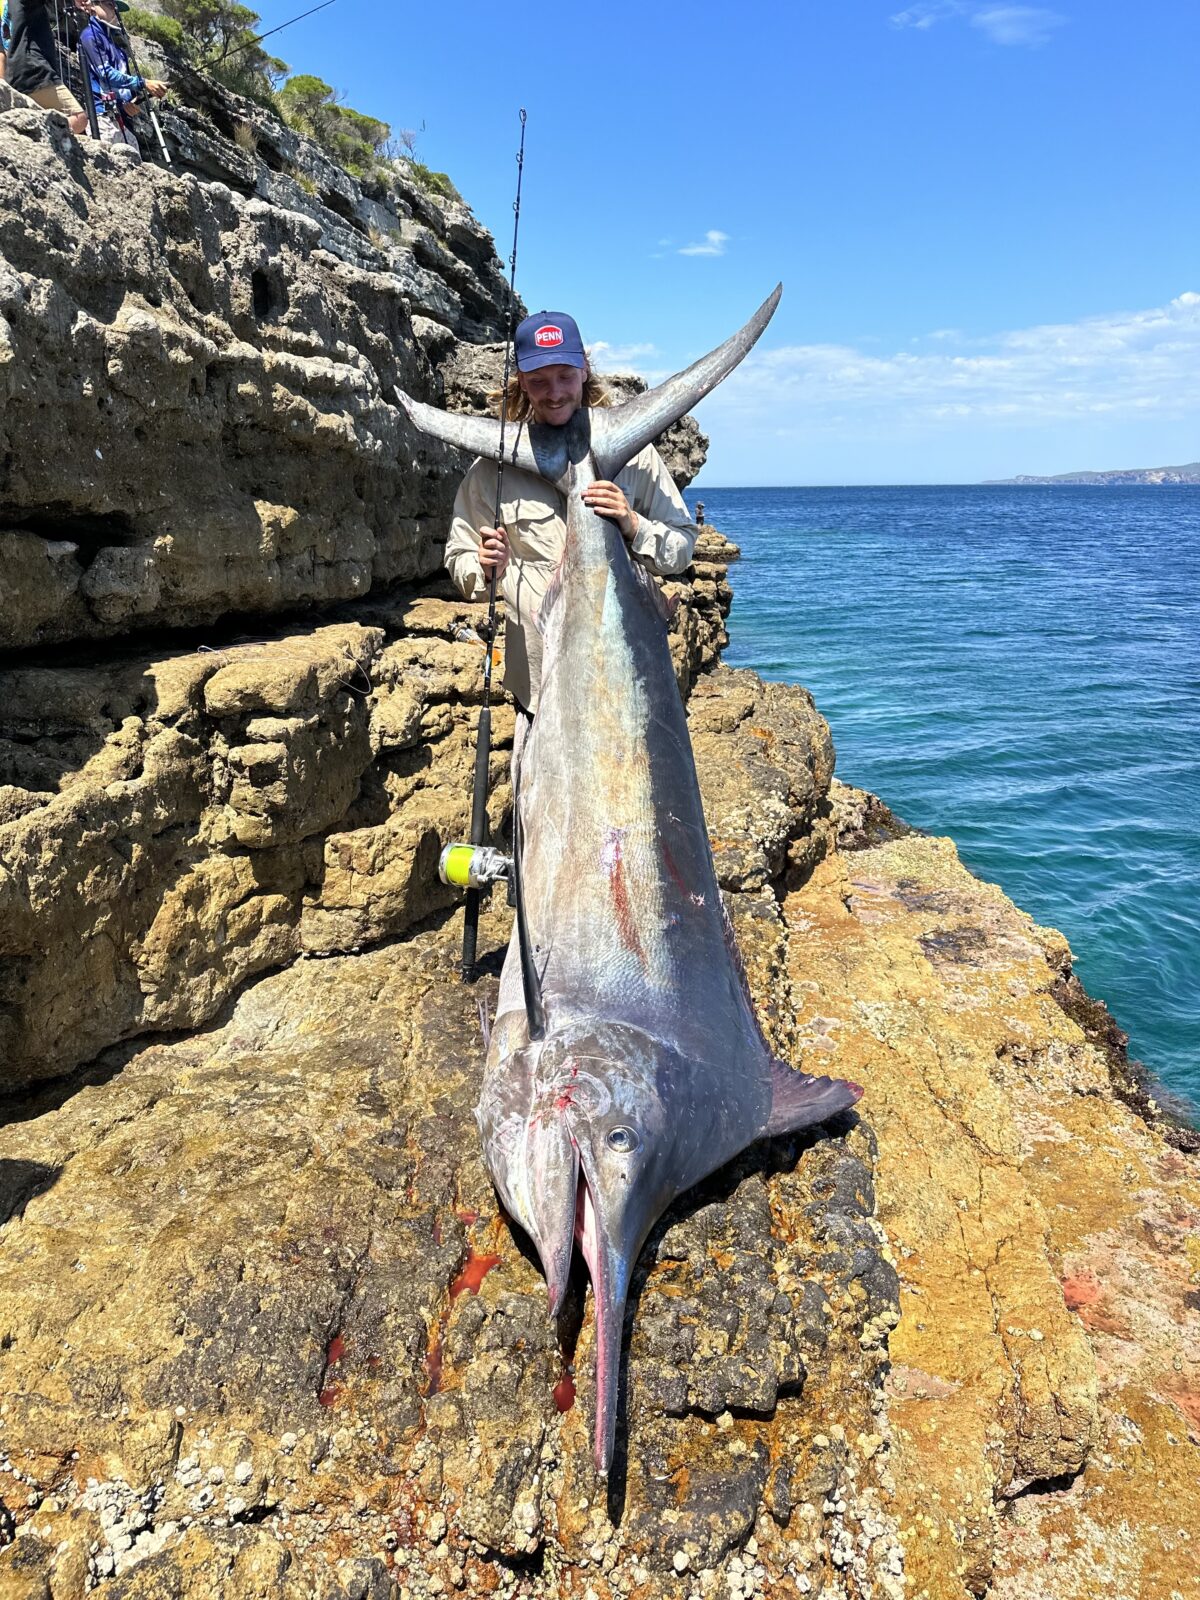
643, 1068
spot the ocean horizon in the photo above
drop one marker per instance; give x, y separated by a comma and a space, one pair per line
696, 492
1016, 666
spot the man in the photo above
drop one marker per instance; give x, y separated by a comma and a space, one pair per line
117, 91
33, 66
552, 381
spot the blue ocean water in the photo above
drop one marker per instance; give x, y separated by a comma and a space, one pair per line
1018, 668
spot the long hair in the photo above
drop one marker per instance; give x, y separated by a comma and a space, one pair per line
518, 408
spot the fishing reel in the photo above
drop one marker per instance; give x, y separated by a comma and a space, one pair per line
474, 866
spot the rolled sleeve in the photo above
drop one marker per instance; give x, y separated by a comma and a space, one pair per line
666, 535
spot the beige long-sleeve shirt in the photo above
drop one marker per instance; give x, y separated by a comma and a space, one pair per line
533, 514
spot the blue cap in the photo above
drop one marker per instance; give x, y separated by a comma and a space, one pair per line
548, 339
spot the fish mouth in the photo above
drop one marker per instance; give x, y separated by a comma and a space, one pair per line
566, 1203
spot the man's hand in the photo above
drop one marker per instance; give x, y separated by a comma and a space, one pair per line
156, 87
608, 500
493, 552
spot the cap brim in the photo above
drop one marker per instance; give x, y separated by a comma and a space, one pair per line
552, 358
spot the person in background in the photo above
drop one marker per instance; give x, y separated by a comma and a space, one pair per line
32, 65
4, 32
119, 93
551, 382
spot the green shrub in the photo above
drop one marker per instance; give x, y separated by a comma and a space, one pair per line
434, 182
162, 30
220, 36
353, 140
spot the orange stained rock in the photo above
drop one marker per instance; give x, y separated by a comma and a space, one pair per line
1040, 1230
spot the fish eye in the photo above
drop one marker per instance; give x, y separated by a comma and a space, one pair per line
623, 1140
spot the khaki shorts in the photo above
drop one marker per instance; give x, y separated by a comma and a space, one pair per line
56, 97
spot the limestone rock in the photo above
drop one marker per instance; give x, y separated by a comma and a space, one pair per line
261, 1315
172, 824
205, 424
279, 1313
1022, 1203
176, 828
767, 761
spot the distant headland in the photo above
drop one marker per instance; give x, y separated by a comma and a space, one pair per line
1156, 475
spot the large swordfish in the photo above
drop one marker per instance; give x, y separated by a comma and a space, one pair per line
626, 1062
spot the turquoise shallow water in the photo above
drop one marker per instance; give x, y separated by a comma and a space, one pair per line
1020, 669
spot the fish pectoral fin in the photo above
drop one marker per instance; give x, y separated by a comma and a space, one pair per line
798, 1100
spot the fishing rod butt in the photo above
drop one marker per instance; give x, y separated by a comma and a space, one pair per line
468, 967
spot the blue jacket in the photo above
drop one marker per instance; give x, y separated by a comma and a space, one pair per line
108, 66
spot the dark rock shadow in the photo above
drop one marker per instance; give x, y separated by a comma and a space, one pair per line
20, 1182
766, 1158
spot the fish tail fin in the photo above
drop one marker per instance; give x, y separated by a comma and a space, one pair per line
618, 434
798, 1100
480, 436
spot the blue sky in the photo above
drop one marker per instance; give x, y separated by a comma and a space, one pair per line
985, 216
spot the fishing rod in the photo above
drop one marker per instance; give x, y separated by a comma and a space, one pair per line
154, 122
227, 55
89, 99
483, 739
68, 39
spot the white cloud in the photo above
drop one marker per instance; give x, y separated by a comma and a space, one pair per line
714, 245
1126, 364
925, 14
1017, 24
607, 357
1010, 25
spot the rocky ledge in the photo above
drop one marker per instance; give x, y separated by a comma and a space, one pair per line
265, 1330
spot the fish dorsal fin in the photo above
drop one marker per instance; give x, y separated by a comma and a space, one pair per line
550, 599
797, 1100
535, 1010
541, 450
618, 434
